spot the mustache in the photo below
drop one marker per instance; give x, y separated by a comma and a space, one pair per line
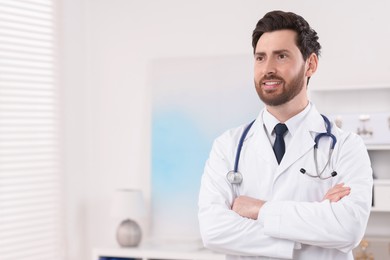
271, 77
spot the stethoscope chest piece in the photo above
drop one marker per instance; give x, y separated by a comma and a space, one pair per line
234, 177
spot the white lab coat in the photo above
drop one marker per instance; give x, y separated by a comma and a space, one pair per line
294, 223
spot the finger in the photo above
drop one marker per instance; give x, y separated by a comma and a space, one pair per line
341, 184
335, 188
335, 191
338, 196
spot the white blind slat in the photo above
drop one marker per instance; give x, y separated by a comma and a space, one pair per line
12, 62
38, 2
28, 47
32, 193
26, 224
24, 9
4, 130
15, 33
45, 209
27, 252
6, 16
29, 5
25, 56
28, 246
27, 172
26, 27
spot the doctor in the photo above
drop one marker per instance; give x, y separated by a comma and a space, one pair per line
294, 201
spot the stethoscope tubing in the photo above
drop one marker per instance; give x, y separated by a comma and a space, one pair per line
240, 144
328, 133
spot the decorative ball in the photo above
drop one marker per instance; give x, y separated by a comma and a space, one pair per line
128, 233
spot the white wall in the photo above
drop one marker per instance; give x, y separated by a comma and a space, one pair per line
107, 47
74, 93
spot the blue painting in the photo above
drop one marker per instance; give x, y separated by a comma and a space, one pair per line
194, 101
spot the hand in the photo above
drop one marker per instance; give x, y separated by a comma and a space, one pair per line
337, 192
247, 207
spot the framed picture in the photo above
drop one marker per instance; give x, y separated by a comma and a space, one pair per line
194, 101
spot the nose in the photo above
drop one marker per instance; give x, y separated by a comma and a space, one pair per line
269, 67
266, 68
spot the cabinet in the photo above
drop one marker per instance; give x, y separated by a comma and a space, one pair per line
333, 100
155, 253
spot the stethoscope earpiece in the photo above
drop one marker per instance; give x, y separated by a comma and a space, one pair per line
333, 174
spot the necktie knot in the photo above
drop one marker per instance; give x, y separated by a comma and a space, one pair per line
280, 129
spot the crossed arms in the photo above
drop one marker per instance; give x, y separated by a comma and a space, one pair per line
250, 207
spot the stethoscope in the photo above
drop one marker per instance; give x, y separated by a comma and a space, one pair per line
235, 177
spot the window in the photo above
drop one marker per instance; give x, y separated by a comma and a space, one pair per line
31, 208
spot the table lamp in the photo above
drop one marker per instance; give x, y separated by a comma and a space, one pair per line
128, 204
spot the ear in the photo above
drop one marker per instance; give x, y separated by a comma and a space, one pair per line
311, 65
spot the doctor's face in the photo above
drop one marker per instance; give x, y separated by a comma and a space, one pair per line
279, 68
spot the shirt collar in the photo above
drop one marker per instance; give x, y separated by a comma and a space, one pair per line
292, 124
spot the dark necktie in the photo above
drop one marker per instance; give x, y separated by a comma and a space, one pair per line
279, 146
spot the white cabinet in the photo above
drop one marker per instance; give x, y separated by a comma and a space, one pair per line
155, 253
333, 100
381, 195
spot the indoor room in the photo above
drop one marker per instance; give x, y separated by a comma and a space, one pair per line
119, 117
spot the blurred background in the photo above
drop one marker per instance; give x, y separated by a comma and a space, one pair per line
107, 58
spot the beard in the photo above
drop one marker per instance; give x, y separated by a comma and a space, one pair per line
288, 91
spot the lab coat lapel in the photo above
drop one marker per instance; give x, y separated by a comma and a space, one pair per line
302, 141
266, 151
261, 140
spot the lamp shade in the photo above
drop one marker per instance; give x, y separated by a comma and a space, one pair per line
128, 203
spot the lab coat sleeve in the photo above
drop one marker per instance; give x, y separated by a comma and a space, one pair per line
222, 229
340, 225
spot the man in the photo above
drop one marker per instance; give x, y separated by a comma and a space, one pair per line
291, 203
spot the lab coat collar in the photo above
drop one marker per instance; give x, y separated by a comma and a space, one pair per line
301, 143
292, 124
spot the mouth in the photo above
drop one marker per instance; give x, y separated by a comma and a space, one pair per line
271, 84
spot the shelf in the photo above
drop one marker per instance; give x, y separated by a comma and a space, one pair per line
378, 147
146, 253
382, 182
373, 209
349, 88
351, 99
381, 191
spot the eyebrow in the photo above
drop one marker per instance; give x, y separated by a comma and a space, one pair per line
273, 52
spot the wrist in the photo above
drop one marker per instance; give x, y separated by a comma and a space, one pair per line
257, 209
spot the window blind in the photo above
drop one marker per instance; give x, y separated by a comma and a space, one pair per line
31, 207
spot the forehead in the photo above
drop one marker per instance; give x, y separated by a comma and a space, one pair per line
277, 40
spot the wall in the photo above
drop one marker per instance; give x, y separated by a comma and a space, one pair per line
74, 92
109, 44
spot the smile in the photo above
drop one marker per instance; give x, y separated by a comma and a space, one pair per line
271, 84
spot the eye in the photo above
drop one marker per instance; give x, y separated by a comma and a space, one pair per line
282, 56
259, 58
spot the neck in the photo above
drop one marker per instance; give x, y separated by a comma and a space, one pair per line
287, 110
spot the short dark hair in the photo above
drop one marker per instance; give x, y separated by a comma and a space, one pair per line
306, 40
